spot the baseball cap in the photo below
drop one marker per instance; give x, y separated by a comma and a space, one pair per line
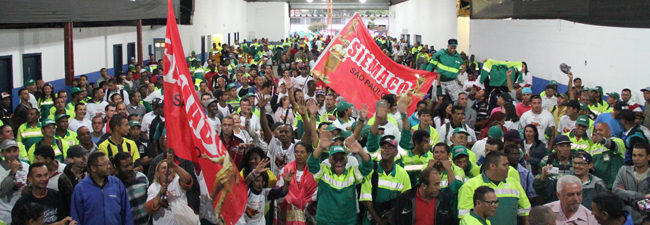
276, 125
47, 122
495, 132
193, 52
29, 82
388, 139
614, 95
247, 95
599, 89
336, 149
512, 135
459, 150
59, 116
565, 68
157, 102
564, 96
452, 42
562, 139
231, 85
5, 95
527, 90
8, 144
75, 90
553, 82
573, 104
76, 151
460, 130
343, 105
134, 123
583, 120
584, 106
506, 96
646, 89
584, 156
621, 106
332, 128
208, 102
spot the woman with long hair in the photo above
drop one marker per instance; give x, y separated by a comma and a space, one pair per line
167, 195
46, 100
294, 209
252, 158
534, 149
443, 115
526, 77
512, 120
284, 113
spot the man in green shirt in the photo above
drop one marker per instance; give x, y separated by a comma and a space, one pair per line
486, 204
448, 63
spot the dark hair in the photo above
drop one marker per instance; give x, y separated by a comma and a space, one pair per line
28, 211
132, 116
35, 165
249, 154
424, 176
510, 148
45, 151
93, 159
534, 130
493, 158
305, 144
116, 121
43, 96
447, 149
511, 112
109, 105
119, 157
425, 110
526, 71
111, 81
457, 107
422, 102
642, 145
419, 135
5, 126
495, 141
391, 99
480, 192
113, 96
626, 89
535, 97
21, 90
609, 202
77, 106
442, 113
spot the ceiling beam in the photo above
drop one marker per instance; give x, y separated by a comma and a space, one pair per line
369, 5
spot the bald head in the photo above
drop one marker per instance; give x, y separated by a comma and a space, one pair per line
603, 130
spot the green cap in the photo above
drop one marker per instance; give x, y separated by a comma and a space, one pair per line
460, 130
59, 116
584, 106
459, 150
599, 89
337, 149
249, 95
331, 128
553, 82
134, 123
345, 133
231, 85
585, 89
343, 105
29, 82
75, 90
583, 120
47, 122
614, 95
495, 132
132, 68
193, 52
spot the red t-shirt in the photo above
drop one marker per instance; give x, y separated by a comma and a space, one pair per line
424, 211
521, 108
208, 79
136, 76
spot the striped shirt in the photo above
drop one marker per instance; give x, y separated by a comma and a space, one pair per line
126, 145
29, 135
138, 198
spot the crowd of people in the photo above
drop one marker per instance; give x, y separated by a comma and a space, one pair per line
482, 148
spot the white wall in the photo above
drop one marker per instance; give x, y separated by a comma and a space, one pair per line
435, 20
267, 20
93, 47
614, 58
305, 22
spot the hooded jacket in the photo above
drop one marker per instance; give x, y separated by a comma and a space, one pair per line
405, 208
633, 192
92, 204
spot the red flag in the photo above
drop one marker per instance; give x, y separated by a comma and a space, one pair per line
357, 69
189, 133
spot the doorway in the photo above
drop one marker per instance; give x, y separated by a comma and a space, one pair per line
130, 52
32, 67
118, 61
203, 48
159, 48
6, 75
418, 39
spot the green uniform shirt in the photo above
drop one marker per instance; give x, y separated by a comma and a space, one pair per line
496, 71
44, 106
28, 135
69, 112
234, 103
512, 199
448, 65
473, 219
337, 194
70, 138
60, 153
433, 134
389, 186
584, 143
413, 164
607, 161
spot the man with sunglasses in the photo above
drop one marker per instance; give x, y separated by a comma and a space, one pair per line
512, 197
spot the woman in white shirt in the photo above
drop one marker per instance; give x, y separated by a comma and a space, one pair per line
444, 113
172, 208
240, 131
512, 120
284, 113
526, 77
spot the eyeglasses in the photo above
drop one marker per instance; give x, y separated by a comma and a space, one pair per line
580, 163
493, 203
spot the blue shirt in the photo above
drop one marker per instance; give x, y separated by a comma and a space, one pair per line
614, 125
526, 180
96, 139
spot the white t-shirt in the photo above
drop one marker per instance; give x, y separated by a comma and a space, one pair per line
565, 124
54, 180
215, 124
392, 129
224, 110
255, 122
7, 203
256, 202
342, 125
437, 122
467, 84
277, 152
442, 131
301, 82
75, 124
175, 195
95, 109
541, 121
548, 103
146, 122
527, 79
244, 136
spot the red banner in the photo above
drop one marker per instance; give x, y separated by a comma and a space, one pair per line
357, 69
189, 133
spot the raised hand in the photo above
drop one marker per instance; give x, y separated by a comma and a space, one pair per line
363, 114
402, 105
261, 100
325, 139
288, 176
353, 145
509, 72
261, 167
446, 164
313, 108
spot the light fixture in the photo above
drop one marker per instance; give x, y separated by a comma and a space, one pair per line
310, 1
362, 1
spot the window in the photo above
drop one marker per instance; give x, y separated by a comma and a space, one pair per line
313, 20
338, 21
295, 21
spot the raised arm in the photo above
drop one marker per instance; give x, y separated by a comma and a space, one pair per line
260, 168
571, 91
509, 75
261, 103
363, 114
